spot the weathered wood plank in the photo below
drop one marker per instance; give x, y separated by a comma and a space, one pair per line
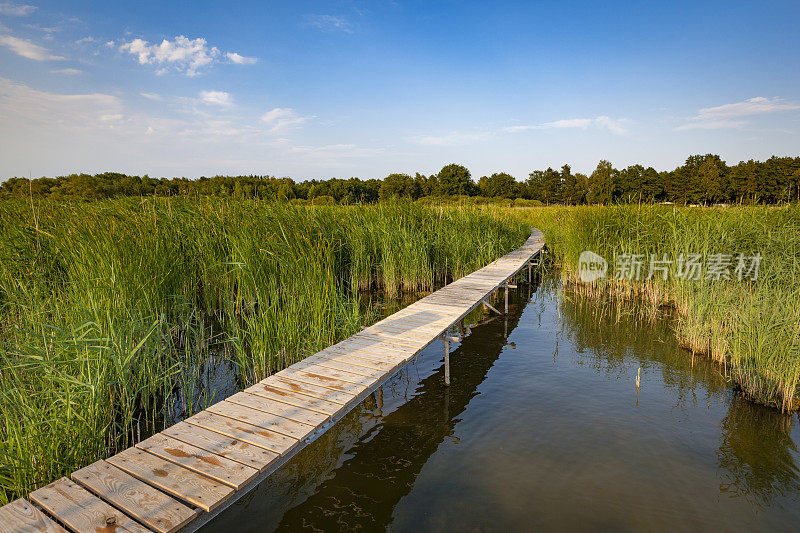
292, 412
261, 419
231, 473
141, 501
233, 449
340, 364
272, 392
367, 362
397, 340
258, 436
344, 375
310, 389
20, 516
364, 352
81, 511
400, 352
172, 478
322, 381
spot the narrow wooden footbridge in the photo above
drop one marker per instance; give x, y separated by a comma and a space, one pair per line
183, 477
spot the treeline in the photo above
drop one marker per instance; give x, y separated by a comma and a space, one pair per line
702, 179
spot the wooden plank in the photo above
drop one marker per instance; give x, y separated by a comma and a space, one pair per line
396, 353
81, 511
270, 440
340, 375
370, 354
228, 447
399, 352
20, 516
292, 412
172, 478
366, 362
138, 499
267, 390
203, 462
397, 340
322, 381
341, 364
261, 419
310, 389
407, 332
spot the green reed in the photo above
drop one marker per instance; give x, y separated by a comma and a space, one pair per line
750, 327
107, 308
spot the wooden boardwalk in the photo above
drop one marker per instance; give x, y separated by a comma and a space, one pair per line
184, 476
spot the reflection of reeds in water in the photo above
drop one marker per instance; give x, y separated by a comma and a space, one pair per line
616, 338
105, 307
750, 327
756, 454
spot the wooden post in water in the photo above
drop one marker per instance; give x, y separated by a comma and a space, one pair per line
506, 295
446, 361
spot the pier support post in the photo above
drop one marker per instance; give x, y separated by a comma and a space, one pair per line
506, 297
446, 361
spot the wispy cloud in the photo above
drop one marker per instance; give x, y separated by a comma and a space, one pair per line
152, 96
722, 116
754, 106
180, 54
233, 57
217, 98
615, 126
28, 49
281, 118
67, 71
330, 23
19, 102
16, 10
452, 139
712, 125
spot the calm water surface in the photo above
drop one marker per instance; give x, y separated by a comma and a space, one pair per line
542, 428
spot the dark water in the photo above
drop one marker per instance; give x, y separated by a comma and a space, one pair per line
542, 428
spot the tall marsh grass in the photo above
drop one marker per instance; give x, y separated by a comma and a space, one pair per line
750, 327
106, 307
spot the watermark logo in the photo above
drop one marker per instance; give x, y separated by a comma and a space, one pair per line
591, 267
712, 267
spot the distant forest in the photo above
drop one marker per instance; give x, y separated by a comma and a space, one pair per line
702, 179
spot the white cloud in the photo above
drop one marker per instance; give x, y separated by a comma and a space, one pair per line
452, 139
282, 118
616, 126
28, 49
330, 23
21, 104
16, 10
712, 125
722, 117
152, 96
67, 71
754, 106
181, 54
86, 40
219, 98
240, 59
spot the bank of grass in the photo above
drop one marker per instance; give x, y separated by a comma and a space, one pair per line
752, 328
106, 307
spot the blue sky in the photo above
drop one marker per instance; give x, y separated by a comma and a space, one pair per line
341, 89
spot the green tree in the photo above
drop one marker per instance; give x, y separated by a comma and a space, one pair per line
455, 179
601, 184
498, 185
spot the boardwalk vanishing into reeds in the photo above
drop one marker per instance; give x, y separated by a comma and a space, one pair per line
182, 477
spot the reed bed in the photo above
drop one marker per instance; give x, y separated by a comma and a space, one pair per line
108, 309
751, 327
